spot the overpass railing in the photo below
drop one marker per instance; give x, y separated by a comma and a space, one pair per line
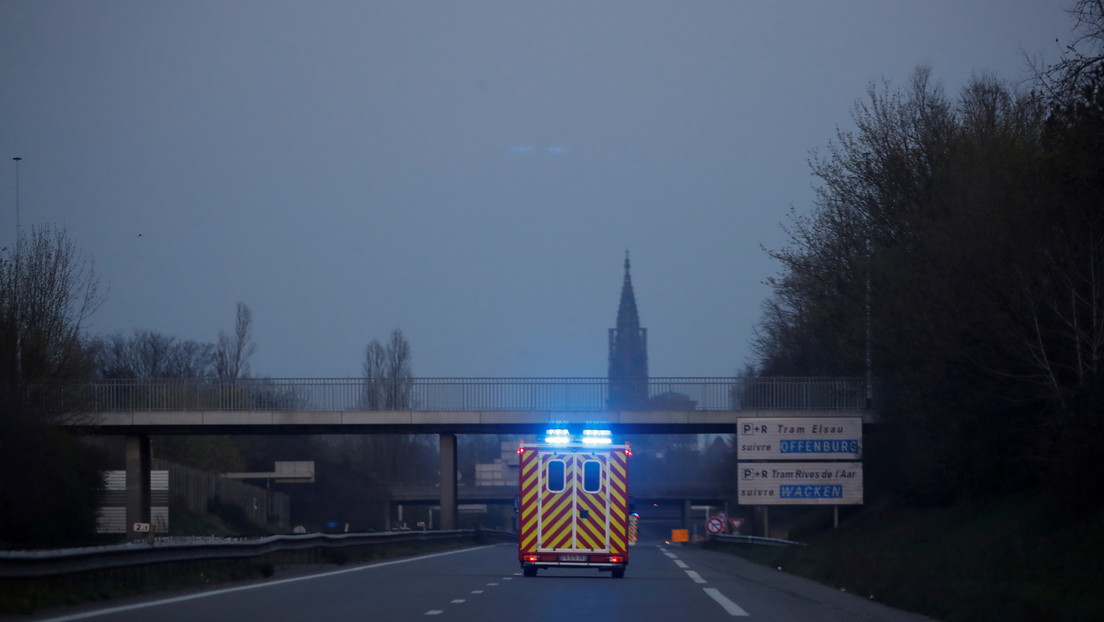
474, 394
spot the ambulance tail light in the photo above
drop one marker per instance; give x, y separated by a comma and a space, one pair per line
616, 559
531, 558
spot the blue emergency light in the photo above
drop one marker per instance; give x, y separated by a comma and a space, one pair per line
560, 436
557, 437
597, 437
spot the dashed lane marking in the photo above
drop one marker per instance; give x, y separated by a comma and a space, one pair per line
732, 608
695, 576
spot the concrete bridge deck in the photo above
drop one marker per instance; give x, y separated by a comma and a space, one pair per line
429, 422
138, 409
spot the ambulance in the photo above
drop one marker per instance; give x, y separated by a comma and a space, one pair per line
573, 503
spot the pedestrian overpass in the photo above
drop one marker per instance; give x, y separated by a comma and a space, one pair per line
139, 409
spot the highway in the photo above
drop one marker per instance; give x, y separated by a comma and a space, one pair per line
663, 582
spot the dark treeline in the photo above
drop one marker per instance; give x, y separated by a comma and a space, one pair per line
955, 249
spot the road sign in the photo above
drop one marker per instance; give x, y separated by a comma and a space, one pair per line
715, 525
801, 483
799, 438
680, 535
142, 528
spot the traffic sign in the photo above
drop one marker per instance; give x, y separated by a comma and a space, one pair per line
799, 438
715, 525
801, 483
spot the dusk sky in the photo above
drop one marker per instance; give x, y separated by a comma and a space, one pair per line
471, 172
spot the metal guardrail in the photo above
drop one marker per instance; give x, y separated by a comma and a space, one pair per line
61, 562
468, 394
757, 540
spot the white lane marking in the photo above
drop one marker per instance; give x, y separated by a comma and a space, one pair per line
695, 576
681, 564
242, 588
732, 608
434, 612
477, 591
457, 601
492, 584
506, 578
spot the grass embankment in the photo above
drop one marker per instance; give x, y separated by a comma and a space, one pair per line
1011, 559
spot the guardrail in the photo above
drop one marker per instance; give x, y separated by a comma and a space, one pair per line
757, 540
61, 562
463, 394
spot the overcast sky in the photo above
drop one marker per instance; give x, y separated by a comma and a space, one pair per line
470, 172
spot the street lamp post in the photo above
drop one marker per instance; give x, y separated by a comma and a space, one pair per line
17, 223
16, 286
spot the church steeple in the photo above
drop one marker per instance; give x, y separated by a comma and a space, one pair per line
628, 353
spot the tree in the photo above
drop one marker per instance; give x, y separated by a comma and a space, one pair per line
150, 354
388, 379
928, 217
233, 351
47, 292
49, 482
388, 385
1080, 59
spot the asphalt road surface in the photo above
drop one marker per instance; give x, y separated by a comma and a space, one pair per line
661, 583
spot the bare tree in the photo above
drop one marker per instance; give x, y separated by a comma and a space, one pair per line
47, 292
387, 374
233, 351
1079, 59
150, 354
48, 480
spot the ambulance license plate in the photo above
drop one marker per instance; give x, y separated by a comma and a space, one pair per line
573, 558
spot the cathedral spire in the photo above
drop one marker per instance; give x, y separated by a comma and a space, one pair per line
628, 352
628, 319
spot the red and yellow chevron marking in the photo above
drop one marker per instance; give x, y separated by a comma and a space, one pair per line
591, 532
530, 482
555, 521
619, 502
557, 507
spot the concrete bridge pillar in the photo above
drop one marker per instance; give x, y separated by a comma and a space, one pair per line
138, 465
448, 482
